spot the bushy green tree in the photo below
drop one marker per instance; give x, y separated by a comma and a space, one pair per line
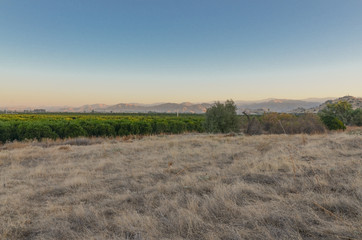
124, 128
222, 118
357, 117
332, 122
72, 130
5, 131
35, 130
341, 111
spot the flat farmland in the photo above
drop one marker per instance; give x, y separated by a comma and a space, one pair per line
190, 186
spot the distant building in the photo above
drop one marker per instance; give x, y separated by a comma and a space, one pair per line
39, 111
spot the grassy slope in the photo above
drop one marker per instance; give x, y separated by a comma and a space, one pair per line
184, 187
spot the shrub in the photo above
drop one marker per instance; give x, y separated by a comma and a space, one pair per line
222, 118
104, 129
35, 130
275, 123
332, 122
73, 130
341, 110
254, 127
309, 123
58, 127
141, 127
357, 117
98, 128
159, 126
124, 128
272, 122
177, 126
5, 131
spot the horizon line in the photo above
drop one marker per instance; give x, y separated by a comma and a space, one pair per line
166, 102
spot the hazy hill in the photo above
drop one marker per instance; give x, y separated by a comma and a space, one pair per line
278, 105
256, 107
139, 108
85, 108
182, 108
356, 102
275, 105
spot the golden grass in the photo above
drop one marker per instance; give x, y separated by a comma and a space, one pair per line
183, 187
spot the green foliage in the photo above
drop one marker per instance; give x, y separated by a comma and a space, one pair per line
341, 110
74, 130
141, 127
356, 116
38, 126
222, 118
98, 128
5, 131
124, 128
177, 127
35, 130
332, 122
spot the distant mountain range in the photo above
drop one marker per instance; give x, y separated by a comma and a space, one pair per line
274, 105
256, 107
277, 105
356, 102
140, 108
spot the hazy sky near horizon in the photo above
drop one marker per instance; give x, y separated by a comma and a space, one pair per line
82, 52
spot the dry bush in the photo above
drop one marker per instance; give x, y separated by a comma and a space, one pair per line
274, 123
185, 187
254, 127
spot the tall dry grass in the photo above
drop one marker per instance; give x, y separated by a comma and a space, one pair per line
184, 187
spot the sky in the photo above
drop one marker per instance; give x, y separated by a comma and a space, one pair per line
112, 51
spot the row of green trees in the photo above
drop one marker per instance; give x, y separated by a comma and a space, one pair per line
38, 129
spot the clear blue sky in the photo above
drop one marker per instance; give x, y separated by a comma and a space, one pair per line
73, 52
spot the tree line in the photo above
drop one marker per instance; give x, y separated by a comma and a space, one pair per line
223, 118
219, 118
37, 127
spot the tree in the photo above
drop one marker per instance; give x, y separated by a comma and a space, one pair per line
35, 130
5, 131
337, 115
72, 130
332, 123
222, 118
341, 110
357, 117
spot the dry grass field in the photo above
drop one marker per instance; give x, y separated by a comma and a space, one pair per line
183, 187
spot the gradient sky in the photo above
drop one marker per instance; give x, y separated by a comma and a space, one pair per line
75, 52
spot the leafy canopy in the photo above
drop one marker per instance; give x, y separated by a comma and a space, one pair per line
222, 118
337, 115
